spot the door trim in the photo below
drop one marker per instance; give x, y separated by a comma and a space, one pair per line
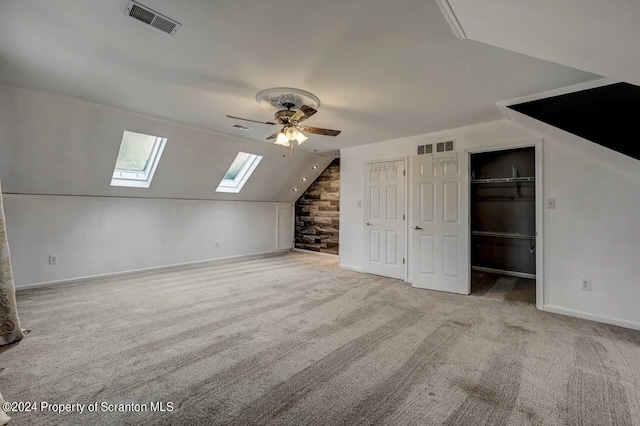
406, 201
538, 144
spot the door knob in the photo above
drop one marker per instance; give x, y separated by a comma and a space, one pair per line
369, 224
417, 228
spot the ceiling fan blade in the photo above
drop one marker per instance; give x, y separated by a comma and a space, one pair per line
275, 135
253, 121
297, 116
319, 131
302, 114
308, 111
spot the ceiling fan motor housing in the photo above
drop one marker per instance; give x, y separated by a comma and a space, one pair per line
282, 117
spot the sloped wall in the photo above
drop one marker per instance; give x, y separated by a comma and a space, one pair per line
56, 145
318, 211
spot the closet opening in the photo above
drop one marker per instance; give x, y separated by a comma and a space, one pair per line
503, 225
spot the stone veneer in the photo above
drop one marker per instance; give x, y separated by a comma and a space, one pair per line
317, 213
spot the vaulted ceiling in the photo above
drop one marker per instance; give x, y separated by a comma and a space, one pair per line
382, 70
592, 35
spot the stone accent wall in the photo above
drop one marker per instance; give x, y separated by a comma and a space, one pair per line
317, 213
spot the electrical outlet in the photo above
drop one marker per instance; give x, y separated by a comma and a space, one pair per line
53, 260
217, 244
551, 203
585, 284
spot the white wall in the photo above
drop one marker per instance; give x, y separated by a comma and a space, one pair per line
102, 235
593, 232
57, 156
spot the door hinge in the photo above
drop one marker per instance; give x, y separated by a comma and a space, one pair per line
403, 260
404, 173
402, 216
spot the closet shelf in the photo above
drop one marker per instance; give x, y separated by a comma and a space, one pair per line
503, 235
503, 199
505, 180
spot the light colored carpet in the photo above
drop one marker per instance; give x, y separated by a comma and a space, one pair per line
291, 340
503, 287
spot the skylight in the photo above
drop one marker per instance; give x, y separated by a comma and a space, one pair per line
239, 172
137, 160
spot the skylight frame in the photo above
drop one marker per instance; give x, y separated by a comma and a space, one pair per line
234, 186
142, 179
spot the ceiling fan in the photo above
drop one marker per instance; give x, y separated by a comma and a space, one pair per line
284, 100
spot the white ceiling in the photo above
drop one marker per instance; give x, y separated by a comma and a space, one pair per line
593, 35
383, 70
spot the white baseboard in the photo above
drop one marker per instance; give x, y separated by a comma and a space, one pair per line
351, 268
133, 271
591, 317
314, 252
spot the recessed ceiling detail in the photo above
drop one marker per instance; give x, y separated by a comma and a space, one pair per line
279, 98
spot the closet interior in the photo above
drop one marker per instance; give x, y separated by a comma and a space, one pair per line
503, 225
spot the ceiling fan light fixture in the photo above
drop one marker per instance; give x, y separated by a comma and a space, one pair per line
282, 140
292, 133
291, 107
301, 138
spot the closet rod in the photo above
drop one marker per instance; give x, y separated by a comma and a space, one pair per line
503, 235
500, 180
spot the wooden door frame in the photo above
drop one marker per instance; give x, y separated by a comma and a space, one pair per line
537, 144
406, 212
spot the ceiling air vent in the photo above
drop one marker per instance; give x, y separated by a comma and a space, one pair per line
150, 17
241, 127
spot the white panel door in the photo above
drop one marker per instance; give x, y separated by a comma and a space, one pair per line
384, 216
439, 258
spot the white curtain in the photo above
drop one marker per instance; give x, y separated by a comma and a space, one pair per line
4, 418
10, 331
